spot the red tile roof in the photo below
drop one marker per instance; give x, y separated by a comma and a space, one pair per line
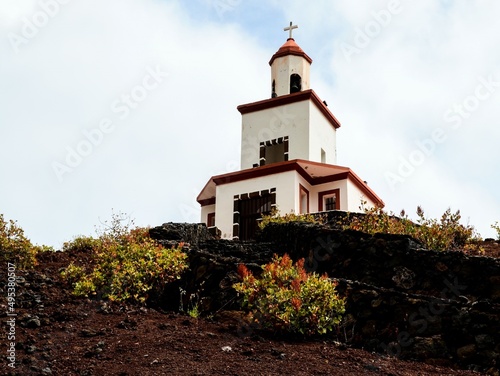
290, 48
314, 172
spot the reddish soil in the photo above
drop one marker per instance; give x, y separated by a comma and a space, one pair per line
58, 334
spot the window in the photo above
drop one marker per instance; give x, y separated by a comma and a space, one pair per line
323, 156
303, 200
273, 151
295, 83
329, 200
210, 219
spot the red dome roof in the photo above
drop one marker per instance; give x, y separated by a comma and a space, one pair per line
290, 48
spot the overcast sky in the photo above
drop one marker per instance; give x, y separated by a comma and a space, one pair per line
131, 104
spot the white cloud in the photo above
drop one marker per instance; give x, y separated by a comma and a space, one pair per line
156, 159
395, 92
390, 95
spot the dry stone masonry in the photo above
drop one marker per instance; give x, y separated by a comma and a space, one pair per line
401, 299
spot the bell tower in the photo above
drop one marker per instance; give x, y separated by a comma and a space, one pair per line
294, 123
290, 68
288, 156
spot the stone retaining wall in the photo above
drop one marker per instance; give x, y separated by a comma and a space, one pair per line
420, 327
390, 261
439, 307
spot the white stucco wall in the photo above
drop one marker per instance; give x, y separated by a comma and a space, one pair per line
283, 67
287, 186
355, 197
299, 180
285, 197
288, 120
321, 136
350, 195
306, 127
315, 190
205, 210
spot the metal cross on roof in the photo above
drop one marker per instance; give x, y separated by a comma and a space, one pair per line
290, 28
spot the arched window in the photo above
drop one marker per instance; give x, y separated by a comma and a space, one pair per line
273, 93
295, 83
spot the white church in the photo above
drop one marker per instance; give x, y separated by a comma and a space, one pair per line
288, 156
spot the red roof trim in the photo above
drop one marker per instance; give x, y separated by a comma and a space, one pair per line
294, 165
203, 190
364, 188
330, 178
256, 172
290, 48
207, 201
290, 98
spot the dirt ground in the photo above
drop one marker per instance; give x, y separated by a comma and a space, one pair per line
58, 334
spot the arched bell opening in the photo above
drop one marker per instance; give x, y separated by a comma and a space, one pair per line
295, 83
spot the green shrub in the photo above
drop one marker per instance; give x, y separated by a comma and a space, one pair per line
128, 264
444, 234
286, 298
15, 247
73, 273
81, 244
129, 272
275, 217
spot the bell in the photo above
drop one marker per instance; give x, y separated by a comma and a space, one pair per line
294, 88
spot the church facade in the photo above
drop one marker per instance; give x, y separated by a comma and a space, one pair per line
288, 156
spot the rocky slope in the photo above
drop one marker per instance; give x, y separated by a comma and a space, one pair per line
59, 334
